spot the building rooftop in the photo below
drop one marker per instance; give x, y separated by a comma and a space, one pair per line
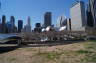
76, 3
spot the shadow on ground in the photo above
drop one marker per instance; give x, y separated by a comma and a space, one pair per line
42, 44
7, 49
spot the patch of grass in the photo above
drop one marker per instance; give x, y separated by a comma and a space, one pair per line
92, 40
53, 56
93, 59
89, 58
30, 49
84, 51
50, 55
90, 47
12, 59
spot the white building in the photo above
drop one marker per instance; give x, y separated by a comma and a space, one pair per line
61, 21
27, 27
78, 20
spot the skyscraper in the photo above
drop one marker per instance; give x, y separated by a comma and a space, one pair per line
12, 21
90, 21
47, 19
69, 24
29, 21
4, 28
20, 25
37, 27
27, 27
9, 27
78, 20
92, 5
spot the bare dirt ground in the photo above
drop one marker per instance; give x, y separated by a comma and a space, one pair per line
82, 52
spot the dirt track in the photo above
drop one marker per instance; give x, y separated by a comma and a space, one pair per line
82, 52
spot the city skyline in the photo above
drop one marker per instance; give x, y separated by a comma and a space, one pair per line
35, 9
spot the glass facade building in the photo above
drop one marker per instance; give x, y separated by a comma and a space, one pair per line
92, 5
47, 19
20, 25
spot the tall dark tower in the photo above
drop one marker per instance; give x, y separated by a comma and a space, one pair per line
47, 19
4, 28
90, 21
12, 21
92, 6
20, 25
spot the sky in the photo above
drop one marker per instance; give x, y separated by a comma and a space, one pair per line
21, 9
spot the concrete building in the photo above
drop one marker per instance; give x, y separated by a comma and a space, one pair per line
27, 27
38, 27
13, 27
47, 19
92, 5
90, 21
78, 20
12, 20
4, 28
29, 21
9, 27
69, 24
20, 25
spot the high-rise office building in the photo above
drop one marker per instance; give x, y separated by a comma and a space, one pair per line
90, 21
69, 24
78, 21
29, 21
4, 28
37, 27
92, 5
12, 21
9, 27
27, 27
20, 25
47, 19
